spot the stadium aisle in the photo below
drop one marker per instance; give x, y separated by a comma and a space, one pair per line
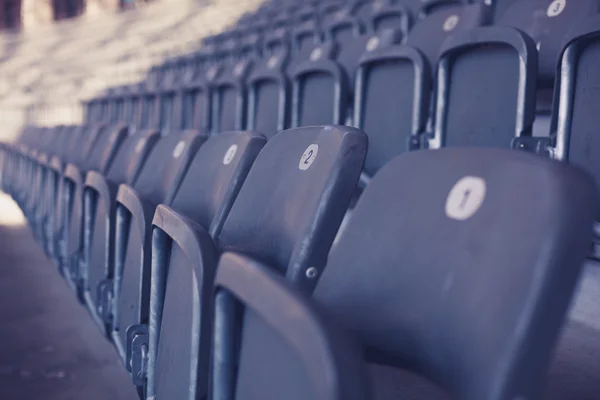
49, 346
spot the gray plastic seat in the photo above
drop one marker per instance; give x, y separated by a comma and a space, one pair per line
319, 89
204, 198
423, 283
68, 233
268, 93
548, 22
391, 102
486, 88
96, 269
575, 112
429, 33
391, 16
287, 212
286, 355
157, 183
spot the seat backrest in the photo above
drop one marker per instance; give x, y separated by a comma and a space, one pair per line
547, 22
294, 198
349, 35
229, 97
215, 176
429, 33
486, 88
391, 101
106, 147
166, 164
575, 112
306, 353
130, 156
424, 283
391, 17
320, 89
305, 38
268, 95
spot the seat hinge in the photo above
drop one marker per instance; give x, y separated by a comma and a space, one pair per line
137, 353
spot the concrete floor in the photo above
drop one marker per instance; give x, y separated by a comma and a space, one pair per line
49, 346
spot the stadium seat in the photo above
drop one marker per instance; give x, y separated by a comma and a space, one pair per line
395, 17
391, 101
287, 211
319, 89
205, 197
157, 184
429, 33
548, 22
96, 270
575, 114
69, 232
268, 92
422, 289
289, 355
485, 88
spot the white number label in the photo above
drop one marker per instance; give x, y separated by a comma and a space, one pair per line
451, 23
308, 157
272, 63
140, 145
373, 43
556, 8
179, 149
229, 154
316, 54
465, 198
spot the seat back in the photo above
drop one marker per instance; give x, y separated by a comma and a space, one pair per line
229, 97
268, 93
485, 88
349, 35
423, 282
215, 176
299, 355
298, 190
391, 101
429, 33
131, 156
547, 22
575, 111
166, 164
390, 16
319, 89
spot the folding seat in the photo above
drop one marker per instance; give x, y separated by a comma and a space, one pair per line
195, 94
429, 33
205, 196
322, 87
99, 208
575, 111
287, 211
548, 22
289, 355
68, 232
395, 17
77, 149
229, 89
157, 183
391, 103
268, 90
34, 195
319, 89
486, 88
423, 289
305, 38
